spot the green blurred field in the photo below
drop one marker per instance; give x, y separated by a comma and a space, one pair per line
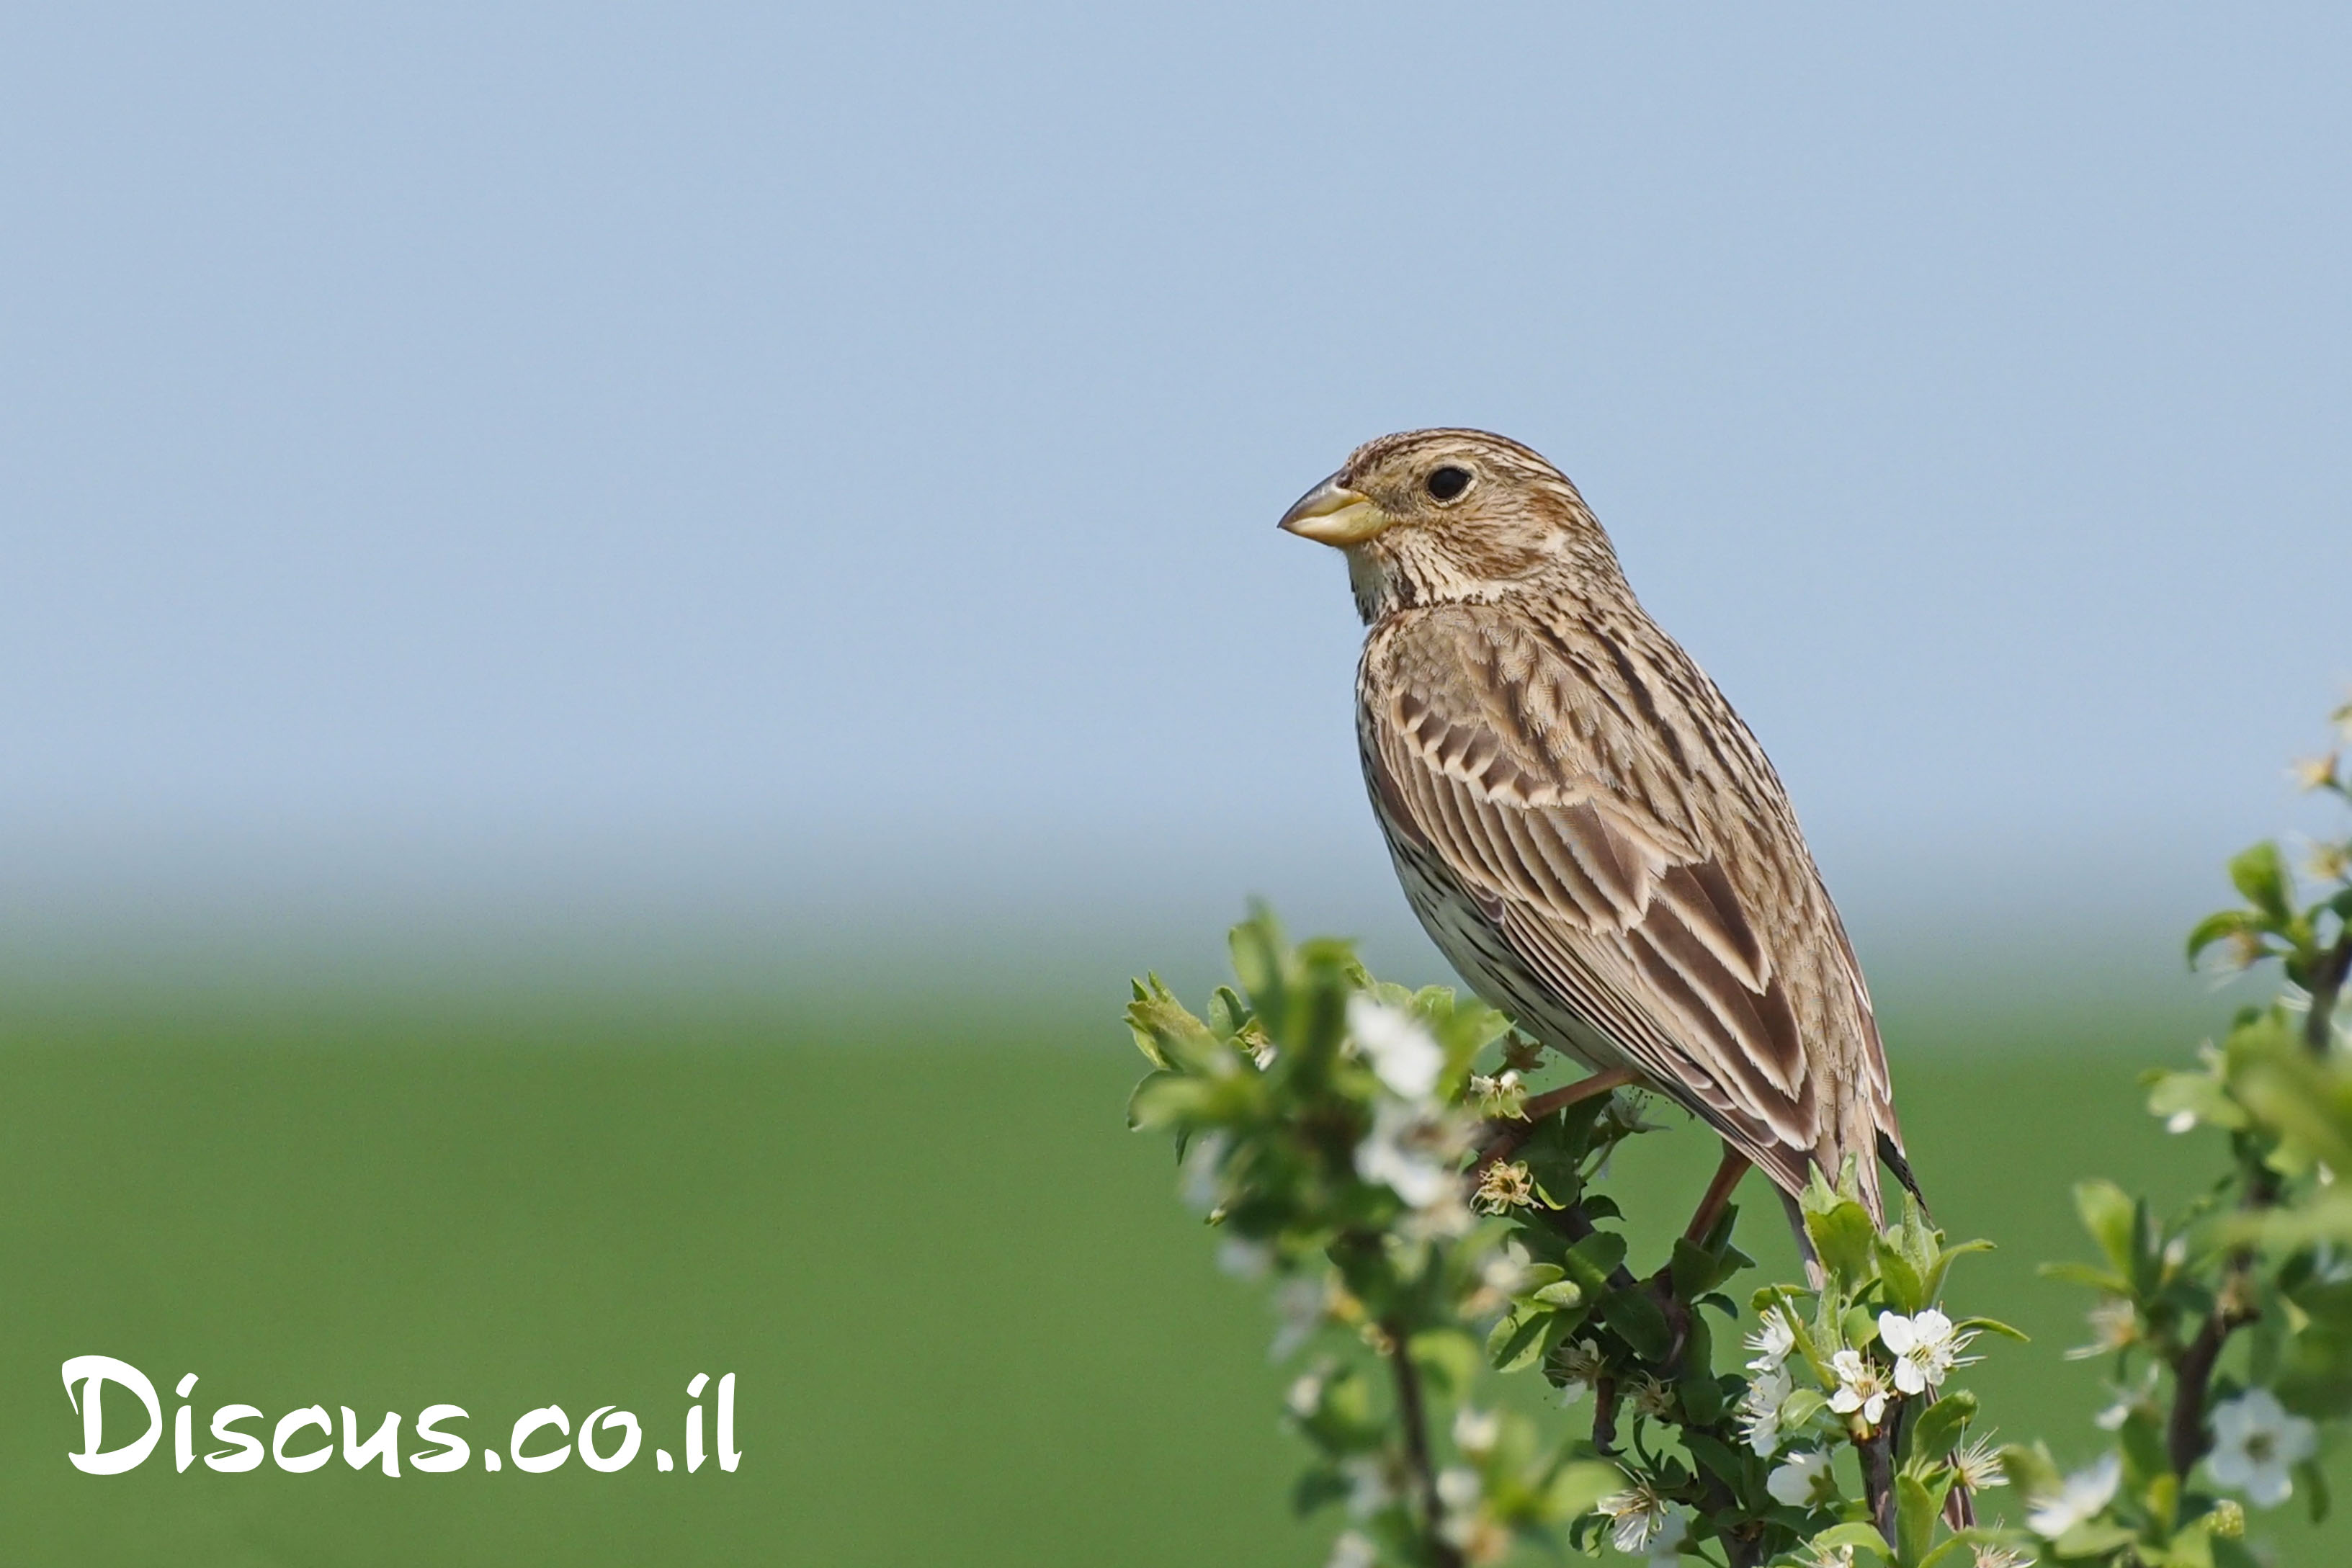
969, 1322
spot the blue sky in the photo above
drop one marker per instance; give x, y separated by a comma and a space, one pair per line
577, 450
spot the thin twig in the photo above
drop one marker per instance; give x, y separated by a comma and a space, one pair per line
1504, 1136
1416, 1445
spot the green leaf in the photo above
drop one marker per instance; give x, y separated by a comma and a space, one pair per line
2313, 1480
2218, 927
1697, 1270
1843, 1237
2198, 1093
2089, 1274
1559, 1294
1591, 1260
1702, 1396
2092, 1538
1576, 1487
1801, 1406
1902, 1281
1714, 1457
1914, 1517
1859, 1536
2261, 875
1639, 1322
2108, 1214
1937, 1430
1448, 1358
1993, 1326
1258, 950
2030, 1470
1513, 1345
1318, 1487
1933, 1281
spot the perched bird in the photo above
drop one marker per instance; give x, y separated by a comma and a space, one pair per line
1590, 835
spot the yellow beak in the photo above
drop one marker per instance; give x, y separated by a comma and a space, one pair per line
1331, 513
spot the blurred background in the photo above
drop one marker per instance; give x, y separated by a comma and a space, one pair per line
618, 627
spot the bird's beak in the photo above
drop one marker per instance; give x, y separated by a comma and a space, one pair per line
1331, 513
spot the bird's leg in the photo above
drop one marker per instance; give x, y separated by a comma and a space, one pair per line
1719, 1194
1511, 1135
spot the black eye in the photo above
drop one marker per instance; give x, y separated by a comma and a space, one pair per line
1448, 481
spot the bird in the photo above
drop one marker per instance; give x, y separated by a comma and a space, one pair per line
1587, 829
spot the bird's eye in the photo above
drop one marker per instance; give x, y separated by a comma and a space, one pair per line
1448, 481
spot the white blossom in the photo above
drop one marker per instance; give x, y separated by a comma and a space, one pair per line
1666, 1546
1475, 1431
1652, 1397
1301, 1303
1927, 1348
2129, 1397
1244, 1258
1353, 1548
1759, 1409
1406, 1152
1203, 1173
1774, 1338
2079, 1497
2256, 1446
2115, 1325
1803, 1481
1306, 1394
1988, 1556
1503, 1096
1457, 1488
1860, 1388
1402, 1051
1636, 1518
1368, 1485
1980, 1467
1581, 1367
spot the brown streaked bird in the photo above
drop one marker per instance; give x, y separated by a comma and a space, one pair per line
1587, 829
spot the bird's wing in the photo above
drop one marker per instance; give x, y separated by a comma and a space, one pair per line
1650, 932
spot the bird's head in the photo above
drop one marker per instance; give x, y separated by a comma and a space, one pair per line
1435, 517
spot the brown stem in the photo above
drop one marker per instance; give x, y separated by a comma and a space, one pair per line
1877, 1452
2184, 1433
2192, 1374
1509, 1135
1416, 1445
2326, 986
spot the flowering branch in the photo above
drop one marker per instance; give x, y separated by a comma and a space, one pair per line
1381, 1158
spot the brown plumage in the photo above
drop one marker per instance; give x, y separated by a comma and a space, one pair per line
1587, 829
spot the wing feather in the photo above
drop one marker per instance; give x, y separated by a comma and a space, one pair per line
1713, 974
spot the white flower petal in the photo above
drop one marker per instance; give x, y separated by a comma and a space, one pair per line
1401, 1051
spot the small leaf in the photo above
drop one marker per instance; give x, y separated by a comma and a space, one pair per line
2313, 1480
1513, 1344
2218, 927
2108, 1213
1697, 1270
1993, 1326
1843, 1237
1937, 1430
2092, 1538
1914, 1517
1859, 1536
1639, 1322
1575, 1488
2089, 1274
2261, 875
1902, 1281
1591, 1260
